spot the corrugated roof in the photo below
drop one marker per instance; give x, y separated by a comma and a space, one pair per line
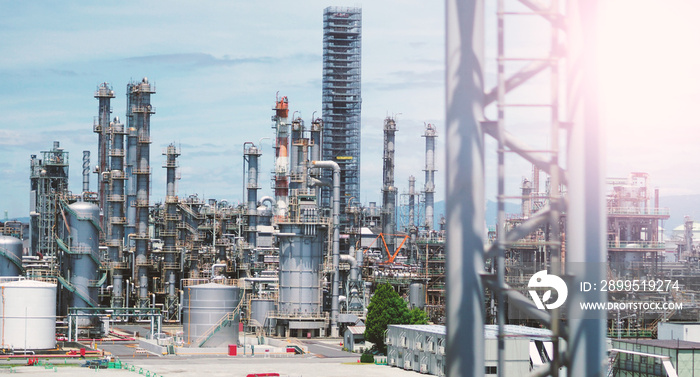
433, 329
356, 330
671, 344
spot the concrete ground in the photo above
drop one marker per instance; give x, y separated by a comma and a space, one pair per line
229, 366
325, 359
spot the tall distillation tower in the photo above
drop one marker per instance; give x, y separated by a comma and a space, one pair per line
429, 190
388, 188
117, 215
140, 109
104, 94
171, 260
342, 42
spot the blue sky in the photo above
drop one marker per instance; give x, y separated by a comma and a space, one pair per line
217, 66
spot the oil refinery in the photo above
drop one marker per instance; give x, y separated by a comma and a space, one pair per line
580, 280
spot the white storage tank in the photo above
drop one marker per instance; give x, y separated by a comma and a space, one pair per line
10, 256
27, 314
204, 306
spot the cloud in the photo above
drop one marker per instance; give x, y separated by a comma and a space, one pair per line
201, 60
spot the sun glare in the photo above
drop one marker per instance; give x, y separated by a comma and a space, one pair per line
648, 72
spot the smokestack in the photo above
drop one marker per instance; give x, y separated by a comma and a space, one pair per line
281, 155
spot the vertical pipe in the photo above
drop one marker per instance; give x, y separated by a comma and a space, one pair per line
465, 187
411, 217
586, 216
336, 240
86, 171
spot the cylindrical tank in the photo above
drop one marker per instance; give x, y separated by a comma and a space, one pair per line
28, 314
10, 256
260, 310
300, 259
205, 305
84, 245
416, 294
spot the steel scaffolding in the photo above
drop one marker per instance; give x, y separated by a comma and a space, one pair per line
342, 40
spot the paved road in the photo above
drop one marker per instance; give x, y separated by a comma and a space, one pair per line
328, 349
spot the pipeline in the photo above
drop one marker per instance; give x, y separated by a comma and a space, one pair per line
336, 239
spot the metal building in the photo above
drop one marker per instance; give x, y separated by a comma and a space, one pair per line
342, 40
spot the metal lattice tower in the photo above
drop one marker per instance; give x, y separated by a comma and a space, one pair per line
342, 41
49, 184
586, 222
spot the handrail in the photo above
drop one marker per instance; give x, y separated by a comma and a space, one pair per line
75, 290
12, 257
227, 318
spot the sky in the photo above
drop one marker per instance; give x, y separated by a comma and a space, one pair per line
219, 65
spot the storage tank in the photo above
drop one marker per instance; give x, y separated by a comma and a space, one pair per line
10, 256
205, 305
416, 294
260, 311
300, 260
83, 219
27, 314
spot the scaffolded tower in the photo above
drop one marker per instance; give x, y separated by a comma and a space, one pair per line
49, 183
342, 37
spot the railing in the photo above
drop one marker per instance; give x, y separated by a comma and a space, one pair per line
636, 245
116, 198
116, 152
117, 220
638, 211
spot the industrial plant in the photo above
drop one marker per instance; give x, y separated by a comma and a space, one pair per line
302, 259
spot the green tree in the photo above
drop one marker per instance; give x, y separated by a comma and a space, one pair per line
418, 317
385, 308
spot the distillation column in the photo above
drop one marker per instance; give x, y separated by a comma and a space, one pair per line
251, 153
281, 155
104, 94
412, 229
142, 110
132, 143
117, 218
388, 189
429, 190
171, 265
